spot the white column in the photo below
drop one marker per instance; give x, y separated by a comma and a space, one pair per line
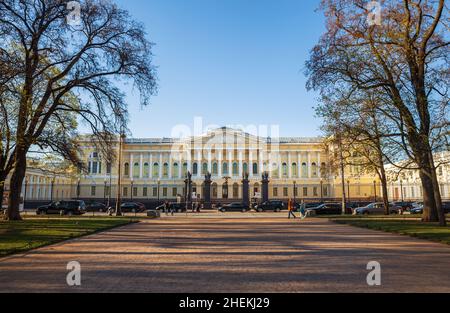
160, 165
210, 161
150, 175
289, 165
250, 165
261, 163
170, 165
131, 166
180, 166
141, 169
299, 164
309, 165
199, 164
240, 164
220, 163
230, 163
319, 165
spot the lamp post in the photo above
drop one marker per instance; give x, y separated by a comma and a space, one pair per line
159, 185
375, 189
104, 192
348, 190
78, 189
321, 190
51, 189
132, 190
295, 192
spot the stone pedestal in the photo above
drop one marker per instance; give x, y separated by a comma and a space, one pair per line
207, 192
265, 187
245, 190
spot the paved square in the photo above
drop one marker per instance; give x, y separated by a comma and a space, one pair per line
236, 253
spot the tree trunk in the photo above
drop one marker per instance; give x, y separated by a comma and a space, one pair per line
17, 178
384, 187
437, 194
429, 202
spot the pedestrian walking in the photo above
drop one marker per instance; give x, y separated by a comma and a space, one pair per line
303, 210
166, 208
291, 209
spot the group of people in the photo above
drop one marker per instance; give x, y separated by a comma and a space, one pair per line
292, 209
169, 209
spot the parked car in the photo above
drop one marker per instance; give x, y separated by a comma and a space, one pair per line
96, 207
273, 205
419, 209
405, 206
75, 207
374, 208
326, 209
132, 207
234, 207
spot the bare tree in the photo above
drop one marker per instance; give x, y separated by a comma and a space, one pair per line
89, 60
405, 57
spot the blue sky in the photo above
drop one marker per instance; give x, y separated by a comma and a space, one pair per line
231, 62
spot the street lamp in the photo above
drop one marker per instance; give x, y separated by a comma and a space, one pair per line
295, 192
375, 189
401, 187
104, 192
321, 190
159, 184
51, 190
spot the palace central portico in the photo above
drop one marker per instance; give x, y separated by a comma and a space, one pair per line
157, 168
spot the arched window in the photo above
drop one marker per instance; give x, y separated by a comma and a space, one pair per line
285, 170
126, 170
166, 170
214, 190
155, 170
204, 168
215, 169
195, 169
136, 170
176, 170
314, 170
304, 170
275, 170
225, 169
146, 170
294, 170
185, 169
255, 168
323, 170
245, 168
235, 169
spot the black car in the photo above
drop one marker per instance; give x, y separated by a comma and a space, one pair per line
234, 207
404, 206
96, 207
77, 207
274, 205
327, 209
132, 207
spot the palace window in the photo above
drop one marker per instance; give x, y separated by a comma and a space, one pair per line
215, 169
93, 191
304, 170
225, 169
146, 170
285, 170
275, 170
185, 169
314, 170
204, 168
245, 168
235, 169
136, 170
145, 192
108, 168
155, 170
275, 191
255, 168
195, 169
305, 191
235, 191
285, 192
294, 170
175, 170
166, 170
126, 171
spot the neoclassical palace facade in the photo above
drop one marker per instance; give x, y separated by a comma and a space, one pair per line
156, 168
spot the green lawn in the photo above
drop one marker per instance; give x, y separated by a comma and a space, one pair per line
16, 237
404, 226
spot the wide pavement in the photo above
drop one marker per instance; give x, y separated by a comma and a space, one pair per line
232, 253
